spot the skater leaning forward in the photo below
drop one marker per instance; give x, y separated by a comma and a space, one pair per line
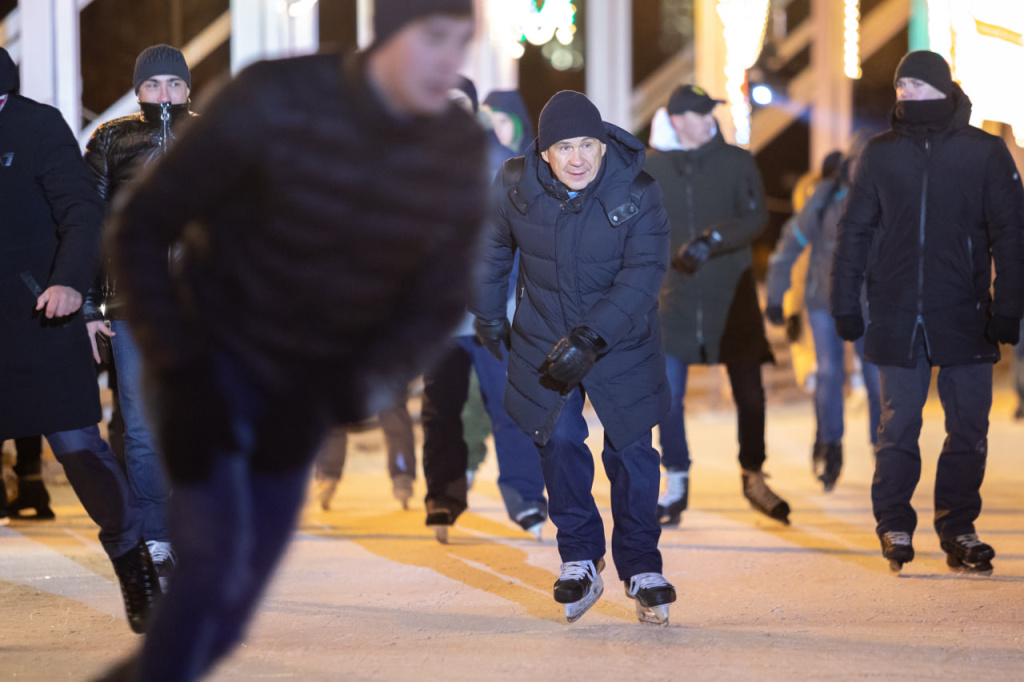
933, 204
593, 240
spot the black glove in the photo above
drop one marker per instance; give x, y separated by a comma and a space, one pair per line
493, 334
574, 356
774, 315
794, 325
693, 255
850, 327
1003, 329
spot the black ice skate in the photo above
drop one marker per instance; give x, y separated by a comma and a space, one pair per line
827, 462
532, 521
897, 549
674, 501
762, 498
579, 587
968, 554
140, 585
653, 594
440, 520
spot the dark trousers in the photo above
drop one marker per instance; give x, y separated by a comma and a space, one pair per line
398, 437
445, 454
966, 395
747, 391
30, 457
635, 477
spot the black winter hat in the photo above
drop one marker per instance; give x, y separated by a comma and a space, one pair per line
160, 60
927, 66
691, 98
8, 73
391, 16
567, 115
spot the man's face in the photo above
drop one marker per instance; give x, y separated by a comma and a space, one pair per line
417, 67
575, 162
504, 128
693, 130
916, 89
160, 89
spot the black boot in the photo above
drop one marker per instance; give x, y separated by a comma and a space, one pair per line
833, 465
32, 494
140, 585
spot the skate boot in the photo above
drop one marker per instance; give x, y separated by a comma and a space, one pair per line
532, 521
579, 587
140, 585
653, 594
440, 520
897, 549
32, 494
401, 488
163, 560
324, 491
674, 500
762, 498
968, 554
827, 462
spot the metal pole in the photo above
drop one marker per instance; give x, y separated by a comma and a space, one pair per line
610, 59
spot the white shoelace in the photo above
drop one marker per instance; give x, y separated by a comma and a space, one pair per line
646, 581
676, 488
898, 537
577, 570
160, 552
969, 540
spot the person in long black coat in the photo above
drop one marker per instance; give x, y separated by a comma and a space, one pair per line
934, 203
593, 240
49, 254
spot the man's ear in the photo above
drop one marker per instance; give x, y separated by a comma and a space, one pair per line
544, 155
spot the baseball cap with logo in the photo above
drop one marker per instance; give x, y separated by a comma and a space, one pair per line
691, 98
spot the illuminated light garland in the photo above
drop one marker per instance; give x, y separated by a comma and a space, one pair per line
851, 39
513, 21
745, 22
296, 8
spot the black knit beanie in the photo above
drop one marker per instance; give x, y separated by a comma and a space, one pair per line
160, 60
926, 66
8, 73
567, 115
391, 16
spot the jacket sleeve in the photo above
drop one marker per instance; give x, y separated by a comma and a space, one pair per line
76, 209
749, 215
780, 264
634, 292
1004, 214
497, 255
853, 240
208, 163
98, 160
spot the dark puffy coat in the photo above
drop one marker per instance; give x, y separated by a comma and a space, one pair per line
713, 316
50, 219
928, 213
596, 261
318, 230
117, 153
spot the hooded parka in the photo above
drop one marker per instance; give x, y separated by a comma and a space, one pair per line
713, 315
930, 209
596, 260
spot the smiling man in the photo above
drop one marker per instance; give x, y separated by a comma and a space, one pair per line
593, 242
328, 209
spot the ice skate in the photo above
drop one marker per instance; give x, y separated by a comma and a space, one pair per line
163, 560
579, 587
827, 463
140, 586
967, 554
897, 549
401, 488
652, 594
532, 521
674, 501
762, 498
440, 520
324, 490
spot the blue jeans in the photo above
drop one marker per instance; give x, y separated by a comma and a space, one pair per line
445, 454
747, 391
142, 460
101, 486
635, 477
230, 530
831, 378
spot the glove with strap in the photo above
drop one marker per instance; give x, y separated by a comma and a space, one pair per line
493, 334
693, 255
574, 356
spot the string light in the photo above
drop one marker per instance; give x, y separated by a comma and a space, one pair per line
745, 22
514, 21
851, 39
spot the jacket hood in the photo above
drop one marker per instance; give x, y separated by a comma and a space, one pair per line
9, 81
623, 161
961, 117
511, 102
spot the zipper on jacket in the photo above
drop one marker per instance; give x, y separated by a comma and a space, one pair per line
919, 322
165, 124
696, 276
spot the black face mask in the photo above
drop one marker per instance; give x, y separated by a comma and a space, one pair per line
933, 114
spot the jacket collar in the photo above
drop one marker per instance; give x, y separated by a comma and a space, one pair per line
960, 119
151, 113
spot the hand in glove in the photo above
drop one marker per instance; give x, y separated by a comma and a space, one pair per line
850, 327
493, 334
1003, 329
775, 315
794, 326
692, 256
574, 356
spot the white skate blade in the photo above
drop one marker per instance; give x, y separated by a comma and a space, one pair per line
537, 531
576, 609
652, 615
441, 533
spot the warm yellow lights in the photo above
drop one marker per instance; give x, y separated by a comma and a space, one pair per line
744, 22
513, 21
851, 39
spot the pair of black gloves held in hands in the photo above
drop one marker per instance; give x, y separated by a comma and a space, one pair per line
1000, 328
568, 362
